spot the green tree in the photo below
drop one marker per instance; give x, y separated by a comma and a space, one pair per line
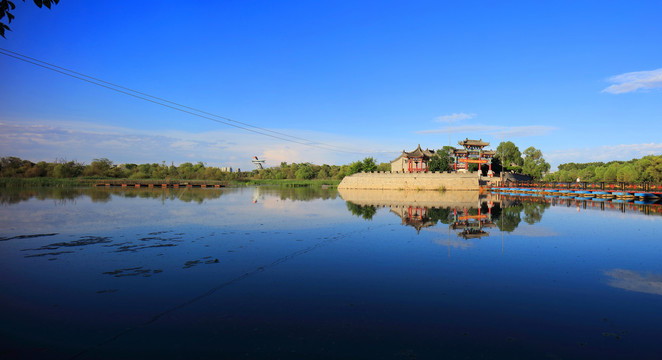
68, 169
368, 164
98, 167
384, 166
305, 172
509, 154
323, 173
441, 160
534, 164
627, 173
354, 167
611, 173
6, 6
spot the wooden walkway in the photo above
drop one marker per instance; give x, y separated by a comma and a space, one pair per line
158, 184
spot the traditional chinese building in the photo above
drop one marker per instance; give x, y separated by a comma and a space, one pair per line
472, 152
414, 216
413, 161
472, 225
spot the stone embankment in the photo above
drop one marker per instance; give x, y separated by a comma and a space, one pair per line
387, 180
405, 199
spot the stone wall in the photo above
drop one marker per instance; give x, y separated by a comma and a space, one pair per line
404, 199
411, 181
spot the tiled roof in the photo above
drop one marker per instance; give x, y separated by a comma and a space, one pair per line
418, 152
467, 142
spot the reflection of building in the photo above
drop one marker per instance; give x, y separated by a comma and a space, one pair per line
472, 153
472, 225
414, 216
413, 161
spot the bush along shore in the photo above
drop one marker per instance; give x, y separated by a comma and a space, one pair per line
90, 182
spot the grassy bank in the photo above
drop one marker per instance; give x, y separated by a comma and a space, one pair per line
44, 182
291, 183
38, 182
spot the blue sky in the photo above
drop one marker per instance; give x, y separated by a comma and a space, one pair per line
581, 80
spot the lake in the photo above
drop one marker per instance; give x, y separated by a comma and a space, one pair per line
267, 272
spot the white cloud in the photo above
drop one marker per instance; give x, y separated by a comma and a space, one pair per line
650, 283
524, 131
82, 141
534, 231
496, 131
634, 81
604, 153
455, 117
456, 244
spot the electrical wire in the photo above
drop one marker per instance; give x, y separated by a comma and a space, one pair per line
174, 105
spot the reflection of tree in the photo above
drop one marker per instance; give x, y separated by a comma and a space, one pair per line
299, 193
496, 210
183, 194
13, 196
533, 211
510, 218
363, 211
104, 194
442, 215
98, 195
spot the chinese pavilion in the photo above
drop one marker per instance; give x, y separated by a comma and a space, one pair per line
413, 161
415, 216
472, 225
472, 153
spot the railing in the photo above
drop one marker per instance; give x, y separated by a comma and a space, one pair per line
646, 186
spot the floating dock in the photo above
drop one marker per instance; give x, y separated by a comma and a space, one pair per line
128, 184
652, 196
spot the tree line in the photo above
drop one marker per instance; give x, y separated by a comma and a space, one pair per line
508, 158
646, 169
105, 168
14, 167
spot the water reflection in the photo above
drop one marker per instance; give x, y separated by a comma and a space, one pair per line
633, 281
103, 194
581, 204
471, 212
263, 271
300, 193
362, 211
468, 212
472, 224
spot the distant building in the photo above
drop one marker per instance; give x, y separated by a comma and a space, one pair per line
226, 169
413, 161
472, 152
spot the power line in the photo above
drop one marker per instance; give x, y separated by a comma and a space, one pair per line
173, 105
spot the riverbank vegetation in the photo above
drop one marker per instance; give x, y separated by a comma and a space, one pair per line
646, 169
16, 172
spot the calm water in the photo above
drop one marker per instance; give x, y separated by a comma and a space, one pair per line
261, 273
